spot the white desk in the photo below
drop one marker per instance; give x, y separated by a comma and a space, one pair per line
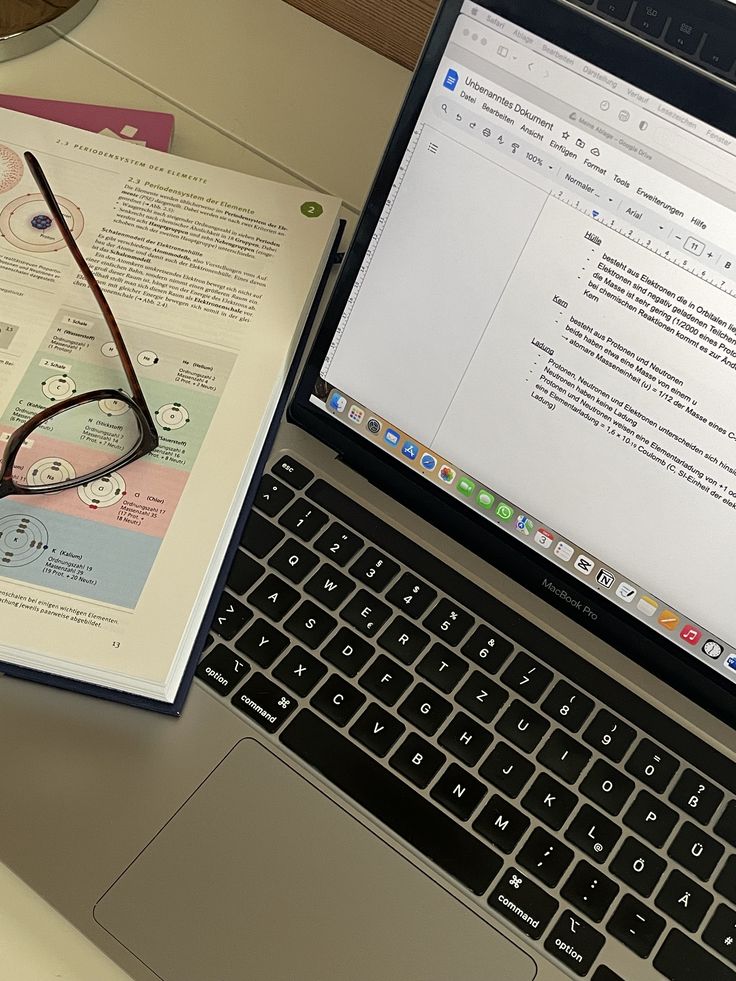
256, 86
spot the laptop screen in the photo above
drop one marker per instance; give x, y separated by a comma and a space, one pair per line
543, 326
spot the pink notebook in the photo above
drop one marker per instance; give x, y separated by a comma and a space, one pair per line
151, 129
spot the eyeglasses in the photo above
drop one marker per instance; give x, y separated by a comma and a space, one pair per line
81, 438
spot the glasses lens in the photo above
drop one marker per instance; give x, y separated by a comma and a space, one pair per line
77, 442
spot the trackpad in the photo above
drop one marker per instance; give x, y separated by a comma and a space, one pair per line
259, 875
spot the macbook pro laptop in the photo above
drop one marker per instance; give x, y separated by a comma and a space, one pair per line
466, 708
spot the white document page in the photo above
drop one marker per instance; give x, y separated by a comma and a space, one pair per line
210, 275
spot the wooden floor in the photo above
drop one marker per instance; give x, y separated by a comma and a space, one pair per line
394, 28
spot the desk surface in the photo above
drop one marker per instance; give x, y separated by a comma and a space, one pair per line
263, 89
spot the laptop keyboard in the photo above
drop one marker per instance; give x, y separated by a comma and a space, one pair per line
703, 33
576, 812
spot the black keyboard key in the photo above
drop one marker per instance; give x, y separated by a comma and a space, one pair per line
527, 677
638, 866
404, 640
684, 900
619, 9
411, 595
310, 624
574, 943
522, 726
425, 709
521, 902
272, 496
348, 652
604, 973
567, 706
366, 613
221, 670
418, 760
260, 536
481, 696
374, 569
338, 700
590, 891
549, 801
339, 544
465, 738
230, 617
262, 643
507, 769
725, 826
650, 764
487, 648
682, 959
377, 730
501, 824
329, 587
607, 786
637, 926
720, 933
244, 573
726, 881
264, 702
423, 825
293, 560
545, 856
274, 597
458, 791
303, 519
386, 680
564, 756
295, 474
696, 796
650, 18
300, 671
684, 35
719, 51
651, 818
593, 833
442, 668
449, 622
609, 735
696, 851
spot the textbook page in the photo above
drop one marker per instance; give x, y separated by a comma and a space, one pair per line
210, 275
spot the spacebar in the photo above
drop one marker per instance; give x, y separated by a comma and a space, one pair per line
390, 800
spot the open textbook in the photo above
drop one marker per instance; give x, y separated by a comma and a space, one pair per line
211, 275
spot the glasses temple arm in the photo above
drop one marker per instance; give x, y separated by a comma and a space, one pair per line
48, 195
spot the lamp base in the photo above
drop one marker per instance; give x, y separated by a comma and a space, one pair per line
26, 25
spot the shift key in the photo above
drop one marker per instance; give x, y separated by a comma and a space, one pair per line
523, 903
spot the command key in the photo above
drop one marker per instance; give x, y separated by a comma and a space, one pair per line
264, 702
520, 900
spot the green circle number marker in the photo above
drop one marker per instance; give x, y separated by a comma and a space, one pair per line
311, 209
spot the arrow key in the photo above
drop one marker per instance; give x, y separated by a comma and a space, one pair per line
230, 617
